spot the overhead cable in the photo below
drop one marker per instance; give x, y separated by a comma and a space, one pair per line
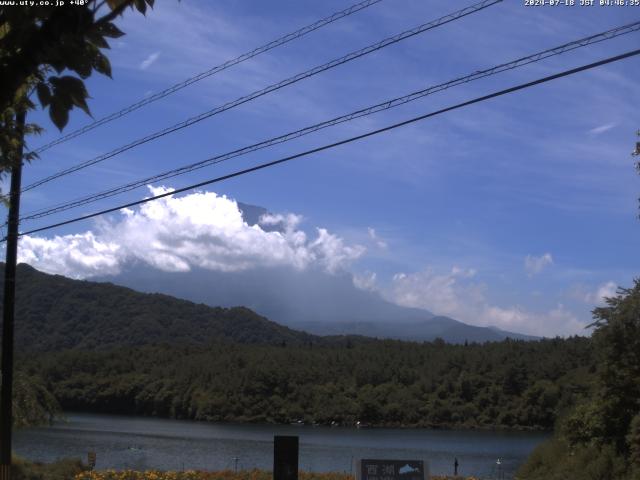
536, 57
212, 71
276, 86
341, 142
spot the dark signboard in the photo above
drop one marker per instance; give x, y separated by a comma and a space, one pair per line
391, 470
285, 457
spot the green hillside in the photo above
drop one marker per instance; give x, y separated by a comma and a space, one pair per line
509, 384
56, 313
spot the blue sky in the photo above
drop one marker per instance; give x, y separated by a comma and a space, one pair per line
519, 212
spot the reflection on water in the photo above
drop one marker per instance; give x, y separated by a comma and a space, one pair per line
143, 443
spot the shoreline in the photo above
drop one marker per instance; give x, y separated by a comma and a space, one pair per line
441, 427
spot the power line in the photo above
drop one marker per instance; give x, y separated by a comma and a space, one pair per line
276, 86
607, 35
345, 141
212, 71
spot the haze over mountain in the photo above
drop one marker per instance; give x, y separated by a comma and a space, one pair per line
309, 299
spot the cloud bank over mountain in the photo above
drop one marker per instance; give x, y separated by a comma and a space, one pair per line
209, 248
175, 234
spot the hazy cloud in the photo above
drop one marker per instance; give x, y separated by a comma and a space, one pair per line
365, 281
438, 292
533, 264
150, 60
379, 242
602, 128
597, 296
455, 293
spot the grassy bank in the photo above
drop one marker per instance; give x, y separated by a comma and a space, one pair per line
73, 469
220, 475
66, 469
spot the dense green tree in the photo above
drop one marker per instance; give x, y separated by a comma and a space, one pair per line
381, 382
617, 342
33, 404
633, 442
603, 429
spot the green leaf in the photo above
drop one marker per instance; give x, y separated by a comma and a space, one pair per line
97, 39
71, 84
69, 92
141, 6
113, 4
44, 94
108, 29
83, 65
57, 64
81, 103
75, 90
60, 93
59, 113
102, 65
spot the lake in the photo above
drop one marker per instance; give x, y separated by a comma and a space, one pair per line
144, 443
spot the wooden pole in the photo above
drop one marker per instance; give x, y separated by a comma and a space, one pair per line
6, 392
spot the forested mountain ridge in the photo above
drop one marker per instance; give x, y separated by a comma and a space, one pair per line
439, 326
509, 384
55, 313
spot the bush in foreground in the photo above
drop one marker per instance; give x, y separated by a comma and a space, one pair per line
65, 469
556, 460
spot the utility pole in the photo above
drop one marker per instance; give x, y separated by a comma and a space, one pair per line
6, 393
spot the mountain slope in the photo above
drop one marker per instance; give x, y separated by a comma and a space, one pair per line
446, 328
54, 312
308, 300
284, 295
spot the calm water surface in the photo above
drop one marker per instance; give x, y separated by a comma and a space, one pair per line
145, 443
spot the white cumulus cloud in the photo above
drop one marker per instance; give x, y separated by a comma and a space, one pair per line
76, 256
177, 233
534, 265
